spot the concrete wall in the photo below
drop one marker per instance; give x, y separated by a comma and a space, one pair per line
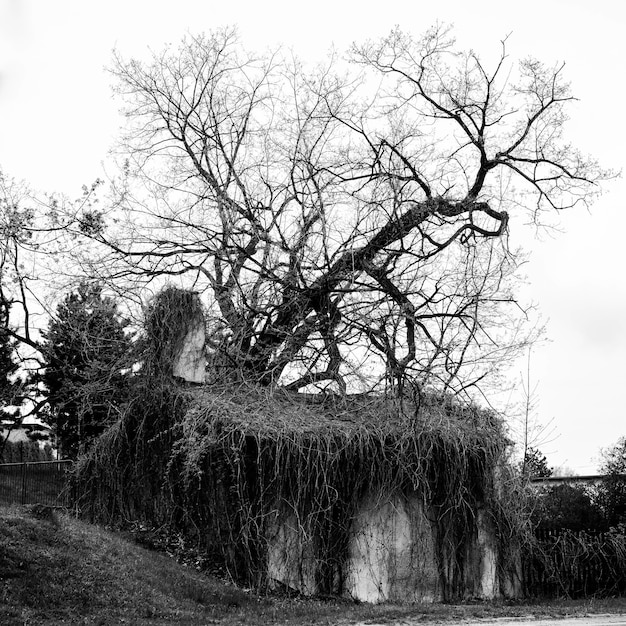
391, 555
481, 580
190, 363
291, 555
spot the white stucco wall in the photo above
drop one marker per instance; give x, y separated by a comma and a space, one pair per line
487, 558
290, 555
391, 553
190, 365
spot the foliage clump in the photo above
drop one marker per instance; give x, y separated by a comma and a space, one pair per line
568, 506
612, 490
121, 478
222, 464
579, 543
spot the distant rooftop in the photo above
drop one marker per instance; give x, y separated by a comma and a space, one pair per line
31, 423
588, 478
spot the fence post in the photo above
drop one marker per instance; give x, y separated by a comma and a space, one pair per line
23, 494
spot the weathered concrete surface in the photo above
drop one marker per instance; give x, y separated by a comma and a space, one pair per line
190, 364
291, 555
391, 555
481, 561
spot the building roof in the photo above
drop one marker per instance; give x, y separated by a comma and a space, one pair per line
263, 412
26, 424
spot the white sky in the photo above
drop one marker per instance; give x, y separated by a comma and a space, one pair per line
58, 119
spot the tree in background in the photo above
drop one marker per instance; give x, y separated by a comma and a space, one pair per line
86, 360
612, 489
25, 451
529, 431
562, 505
535, 464
32, 250
567, 506
340, 236
579, 508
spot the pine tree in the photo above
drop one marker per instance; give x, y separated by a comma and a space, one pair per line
86, 354
535, 464
612, 490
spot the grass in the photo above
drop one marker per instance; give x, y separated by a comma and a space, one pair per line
55, 569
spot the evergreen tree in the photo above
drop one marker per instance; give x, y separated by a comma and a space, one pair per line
25, 451
567, 506
535, 464
86, 354
612, 489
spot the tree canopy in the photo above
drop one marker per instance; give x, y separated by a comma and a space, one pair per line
345, 224
341, 220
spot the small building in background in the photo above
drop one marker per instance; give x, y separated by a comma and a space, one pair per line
27, 430
29, 440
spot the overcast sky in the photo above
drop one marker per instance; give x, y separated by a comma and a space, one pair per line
58, 119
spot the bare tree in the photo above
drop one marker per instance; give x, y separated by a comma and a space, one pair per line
37, 236
16, 243
340, 221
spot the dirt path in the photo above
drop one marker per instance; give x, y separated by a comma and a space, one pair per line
590, 620
595, 620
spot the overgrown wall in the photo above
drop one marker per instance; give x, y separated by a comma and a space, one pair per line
354, 496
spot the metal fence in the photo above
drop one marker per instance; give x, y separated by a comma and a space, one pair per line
43, 482
577, 564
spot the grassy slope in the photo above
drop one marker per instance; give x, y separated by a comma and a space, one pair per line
57, 570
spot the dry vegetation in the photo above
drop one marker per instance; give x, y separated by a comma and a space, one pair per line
222, 463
